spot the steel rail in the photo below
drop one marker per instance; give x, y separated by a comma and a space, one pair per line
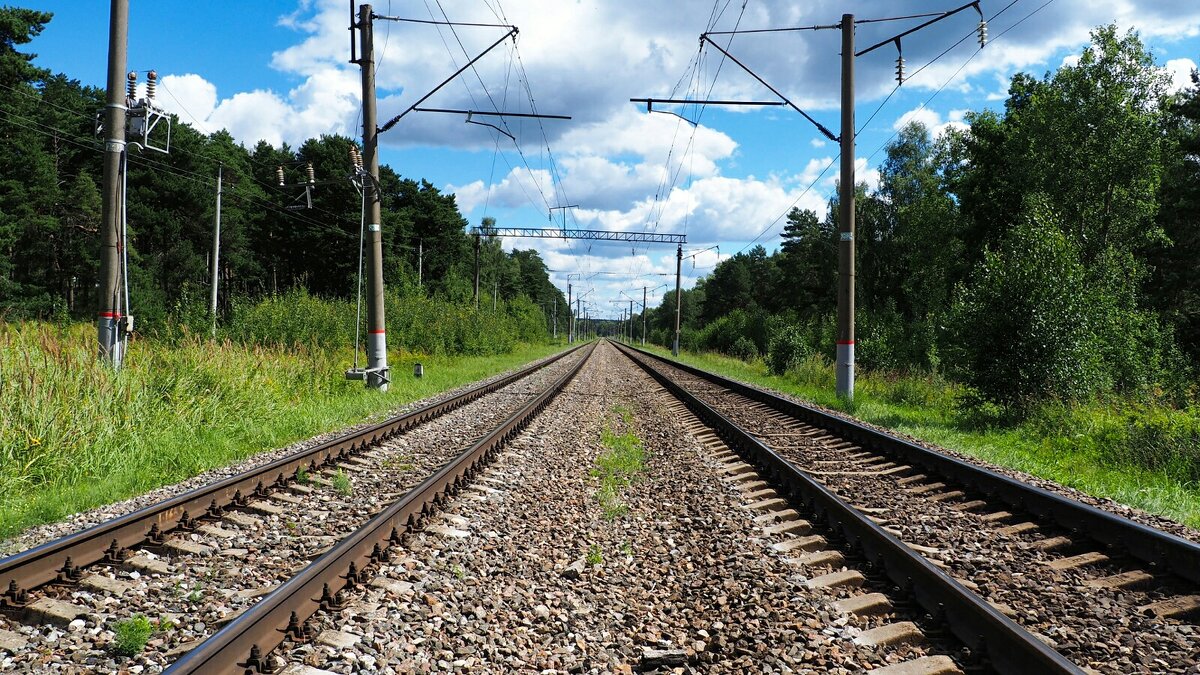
244, 644
64, 558
1161, 550
1007, 647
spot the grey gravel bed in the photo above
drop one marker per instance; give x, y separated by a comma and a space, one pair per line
41, 534
251, 552
1101, 628
524, 573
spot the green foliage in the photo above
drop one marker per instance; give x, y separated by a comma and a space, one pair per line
788, 347
341, 483
77, 435
1024, 331
595, 555
618, 466
131, 635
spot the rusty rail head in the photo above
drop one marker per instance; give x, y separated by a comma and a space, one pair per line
60, 559
244, 645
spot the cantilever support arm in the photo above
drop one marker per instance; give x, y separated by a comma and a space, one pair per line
821, 127
392, 122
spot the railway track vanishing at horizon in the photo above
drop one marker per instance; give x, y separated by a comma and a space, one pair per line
872, 552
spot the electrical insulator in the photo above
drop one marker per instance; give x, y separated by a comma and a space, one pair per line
151, 83
900, 69
312, 176
353, 162
131, 85
279, 175
982, 33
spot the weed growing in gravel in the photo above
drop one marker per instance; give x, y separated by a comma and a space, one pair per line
618, 465
459, 572
627, 550
399, 463
302, 475
132, 634
197, 593
341, 483
594, 555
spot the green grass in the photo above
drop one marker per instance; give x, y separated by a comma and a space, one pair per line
341, 483
620, 463
131, 635
1140, 455
75, 435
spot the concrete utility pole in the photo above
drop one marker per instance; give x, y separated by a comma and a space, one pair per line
216, 254
420, 262
845, 314
678, 298
109, 322
554, 313
377, 368
576, 312
643, 316
571, 323
631, 321
477, 245
495, 293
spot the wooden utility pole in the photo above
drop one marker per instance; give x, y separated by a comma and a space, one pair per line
845, 313
377, 369
109, 321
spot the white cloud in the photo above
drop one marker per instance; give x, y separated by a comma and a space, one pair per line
1181, 73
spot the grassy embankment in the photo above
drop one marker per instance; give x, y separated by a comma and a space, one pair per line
74, 435
1142, 455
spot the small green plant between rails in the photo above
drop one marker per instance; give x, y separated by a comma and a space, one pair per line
595, 555
131, 635
618, 466
341, 483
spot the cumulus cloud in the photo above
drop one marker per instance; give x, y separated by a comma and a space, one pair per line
1181, 73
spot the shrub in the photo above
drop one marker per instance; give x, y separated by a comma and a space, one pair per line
787, 348
744, 349
1024, 330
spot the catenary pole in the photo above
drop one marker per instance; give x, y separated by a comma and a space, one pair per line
571, 323
678, 299
631, 321
643, 316
845, 313
420, 262
554, 313
109, 318
377, 368
477, 245
216, 255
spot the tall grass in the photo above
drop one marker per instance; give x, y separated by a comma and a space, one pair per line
75, 434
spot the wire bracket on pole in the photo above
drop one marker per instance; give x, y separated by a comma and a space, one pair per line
820, 127
512, 32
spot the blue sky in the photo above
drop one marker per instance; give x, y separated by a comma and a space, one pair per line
277, 70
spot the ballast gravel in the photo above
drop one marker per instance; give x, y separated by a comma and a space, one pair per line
1105, 629
526, 571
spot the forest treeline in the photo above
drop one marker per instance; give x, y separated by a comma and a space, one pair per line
1046, 251
272, 243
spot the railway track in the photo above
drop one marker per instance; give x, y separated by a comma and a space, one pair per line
757, 535
1105, 592
196, 561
